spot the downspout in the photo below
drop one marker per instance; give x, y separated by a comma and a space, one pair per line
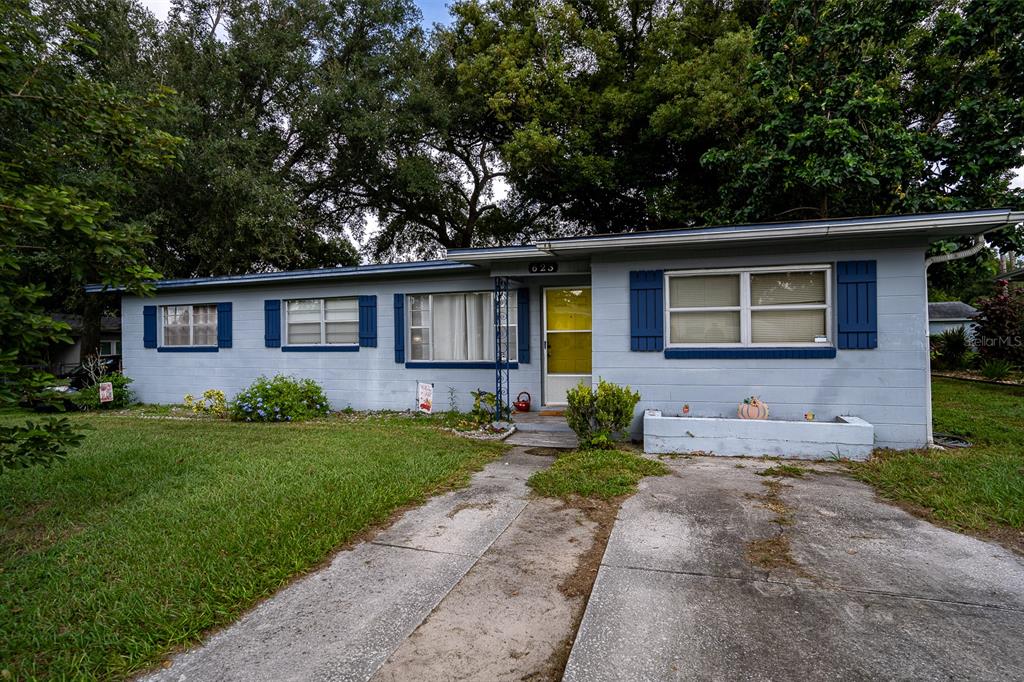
976, 247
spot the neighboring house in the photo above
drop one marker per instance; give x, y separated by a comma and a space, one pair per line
67, 356
822, 316
950, 315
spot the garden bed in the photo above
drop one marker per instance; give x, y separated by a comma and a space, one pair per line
847, 437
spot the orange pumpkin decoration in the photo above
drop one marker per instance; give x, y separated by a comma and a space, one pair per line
752, 408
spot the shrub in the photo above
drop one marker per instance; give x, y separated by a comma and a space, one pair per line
280, 399
88, 398
953, 346
212, 402
999, 334
598, 417
996, 369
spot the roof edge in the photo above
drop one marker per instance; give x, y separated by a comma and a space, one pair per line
316, 274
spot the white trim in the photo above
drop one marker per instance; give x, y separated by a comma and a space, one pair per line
745, 309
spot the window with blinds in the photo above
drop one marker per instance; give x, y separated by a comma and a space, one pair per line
749, 307
322, 321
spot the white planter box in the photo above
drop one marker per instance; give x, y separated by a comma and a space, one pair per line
849, 437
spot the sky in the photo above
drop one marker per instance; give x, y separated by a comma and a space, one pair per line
434, 11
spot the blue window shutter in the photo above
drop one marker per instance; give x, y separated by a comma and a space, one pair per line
224, 325
368, 321
399, 327
149, 326
272, 323
646, 310
523, 325
857, 304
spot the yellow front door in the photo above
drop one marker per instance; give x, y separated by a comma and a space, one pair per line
567, 341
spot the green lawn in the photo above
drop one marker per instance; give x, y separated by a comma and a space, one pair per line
156, 530
603, 474
978, 489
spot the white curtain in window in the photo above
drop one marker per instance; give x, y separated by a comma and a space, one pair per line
479, 327
176, 323
304, 322
449, 328
204, 325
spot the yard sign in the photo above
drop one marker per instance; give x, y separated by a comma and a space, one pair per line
106, 392
425, 397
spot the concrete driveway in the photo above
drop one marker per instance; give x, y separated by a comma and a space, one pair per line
718, 573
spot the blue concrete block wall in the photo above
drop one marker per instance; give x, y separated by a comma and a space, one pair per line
369, 379
885, 386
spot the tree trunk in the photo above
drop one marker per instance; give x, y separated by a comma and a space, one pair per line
92, 312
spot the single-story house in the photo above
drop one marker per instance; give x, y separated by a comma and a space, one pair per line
66, 356
824, 316
950, 315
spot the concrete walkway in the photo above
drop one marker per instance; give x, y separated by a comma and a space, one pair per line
342, 622
717, 573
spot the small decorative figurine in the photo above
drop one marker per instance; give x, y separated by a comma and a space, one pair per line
753, 408
809, 416
686, 410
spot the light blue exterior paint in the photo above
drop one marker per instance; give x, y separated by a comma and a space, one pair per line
369, 379
886, 386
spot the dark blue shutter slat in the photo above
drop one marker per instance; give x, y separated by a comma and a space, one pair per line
399, 327
224, 325
368, 321
523, 325
149, 326
272, 323
646, 310
857, 304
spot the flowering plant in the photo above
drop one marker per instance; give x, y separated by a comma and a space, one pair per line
213, 402
280, 399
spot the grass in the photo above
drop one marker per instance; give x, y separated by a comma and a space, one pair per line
156, 530
604, 474
786, 470
978, 489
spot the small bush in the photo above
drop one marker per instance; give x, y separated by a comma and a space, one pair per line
598, 417
999, 331
280, 399
996, 369
953, 346
89, 397
212, 403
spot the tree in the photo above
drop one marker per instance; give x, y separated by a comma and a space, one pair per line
879, 108
70, 150
438, 180
606, 107
257, 82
